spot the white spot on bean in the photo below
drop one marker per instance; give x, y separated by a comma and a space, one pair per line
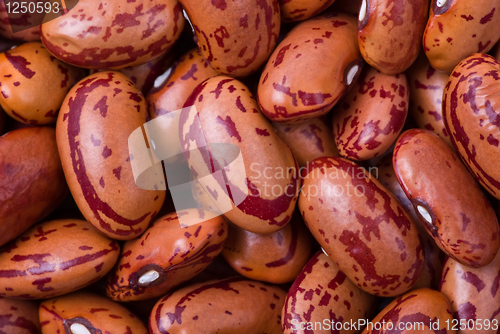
149, 277
441, 3
424, 213
324, 251
161, 79
362, 11
352, 73
77, 328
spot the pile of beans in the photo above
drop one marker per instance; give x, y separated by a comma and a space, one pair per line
342, 159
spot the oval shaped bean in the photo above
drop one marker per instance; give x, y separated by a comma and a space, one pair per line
275, 257
113, 35
470, 110
390, 31
19, 317
235, 37
434, 257
446, 197
458, 28
179, 81
426, 97
360, 224
166, 255
323, 292
224, 111
29, 75
300, 10
83, 312
297, 83
236, 305
473, 294
308, 140
368, 121
418, 311
54, 258
95, 121
32, 182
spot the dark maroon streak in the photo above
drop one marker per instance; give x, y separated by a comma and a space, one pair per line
248, 61
43, 266
465, 311
291, 250
487, 18
21, 322
268, 13
97, 206
89, 257
20, 64
473, 279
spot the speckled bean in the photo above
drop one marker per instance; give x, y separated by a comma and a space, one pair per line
298, 82
166, 255
276, 257
390, 31
360, 224
447, 199
54, 258
34, 83
236, 305
84, 312
32, 182
94, 123
323, 292
368, 121
300, 10
458, 28
114, 34
471, 107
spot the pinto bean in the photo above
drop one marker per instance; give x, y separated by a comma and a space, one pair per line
300, 10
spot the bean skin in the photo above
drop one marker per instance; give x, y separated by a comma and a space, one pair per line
94, 124
361, 227
175, 252
426, 96
470, 110
447, 198
308, 140
418, 306
275, 257
323, 292
32, 182
369, 119
301, 10
389, 33
113, 35
19, 317
29, 73
96, 313
236, 305
35, 266
297, 83
235, 37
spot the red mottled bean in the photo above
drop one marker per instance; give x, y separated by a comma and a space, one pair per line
54, 258
18, 317
34, 83
447, 199
426, 308
368, 121
434, 257
84, 312
390, 31
95, 121
298, 82
167, 255
300, 10
113, 34
323, 292
228, 113
308, 140
473, 294
180, 81
360, 224
458, 28
276, 257
32, 182
235, 37
470, 110
426, 95
236, 305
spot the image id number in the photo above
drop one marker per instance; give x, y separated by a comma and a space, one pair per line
32, 7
